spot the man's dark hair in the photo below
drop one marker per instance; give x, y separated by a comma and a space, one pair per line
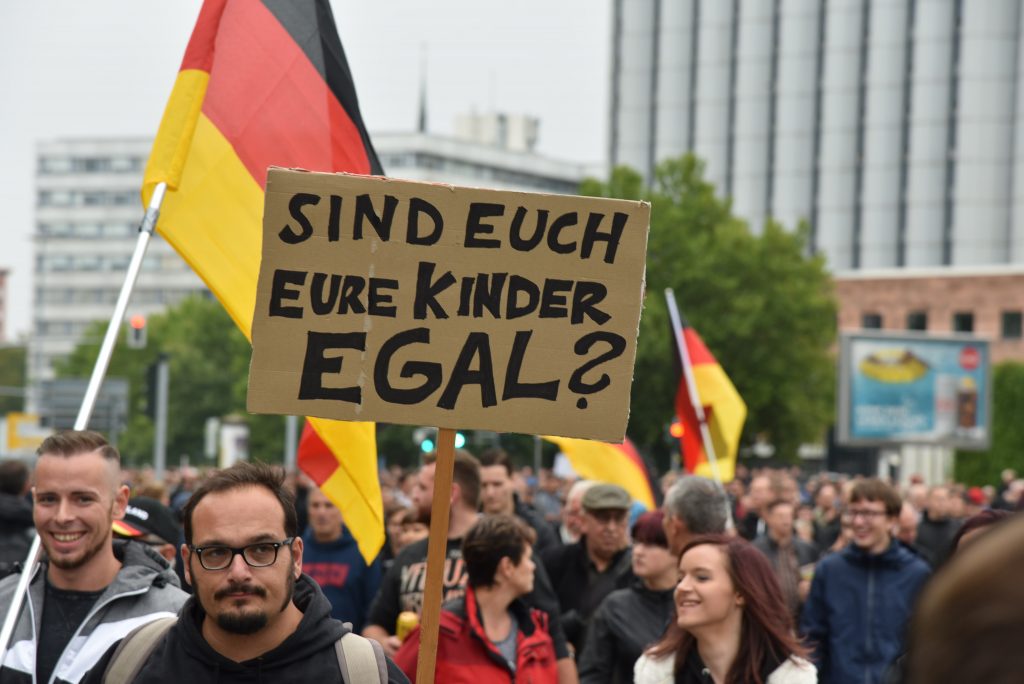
245, 474
873, 489
492, 538
466, 474
13, 477
73, 442
496, 457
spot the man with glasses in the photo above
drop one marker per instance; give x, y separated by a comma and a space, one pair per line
862, 596
584, 573
254, 615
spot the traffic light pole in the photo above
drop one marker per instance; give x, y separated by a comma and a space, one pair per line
160, 432
99, 371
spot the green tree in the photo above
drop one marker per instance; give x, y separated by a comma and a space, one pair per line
766, 310
12, 378
208, 368
1007, 448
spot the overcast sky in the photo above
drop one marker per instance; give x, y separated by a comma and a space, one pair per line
105, 68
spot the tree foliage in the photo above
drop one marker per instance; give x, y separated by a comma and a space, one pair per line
765, 309
12, 378
209, 368
1007, 449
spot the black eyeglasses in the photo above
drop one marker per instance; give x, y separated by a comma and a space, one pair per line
258, 555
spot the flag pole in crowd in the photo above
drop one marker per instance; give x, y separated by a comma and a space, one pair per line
437, 546
693, 395
99, 371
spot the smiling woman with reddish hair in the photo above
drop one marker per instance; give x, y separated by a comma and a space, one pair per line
731, 625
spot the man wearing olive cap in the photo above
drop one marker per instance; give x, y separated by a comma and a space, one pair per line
599, 563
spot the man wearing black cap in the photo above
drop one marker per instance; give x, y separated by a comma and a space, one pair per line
148, 521
585, 572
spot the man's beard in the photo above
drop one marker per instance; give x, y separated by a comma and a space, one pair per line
250, 622
74, 563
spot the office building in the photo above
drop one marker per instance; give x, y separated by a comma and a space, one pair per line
894, 127
87, 217
487, 151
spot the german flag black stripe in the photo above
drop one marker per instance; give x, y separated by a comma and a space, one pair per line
311, 25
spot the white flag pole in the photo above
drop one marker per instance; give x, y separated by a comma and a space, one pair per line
92, 391
691, 388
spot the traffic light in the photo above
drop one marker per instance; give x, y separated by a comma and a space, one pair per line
676, 429
137, 332
424, 437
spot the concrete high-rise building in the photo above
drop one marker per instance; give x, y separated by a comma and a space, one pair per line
87, 217
894, 127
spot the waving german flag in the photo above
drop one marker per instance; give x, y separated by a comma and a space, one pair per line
263, 83
724, 411
619, 464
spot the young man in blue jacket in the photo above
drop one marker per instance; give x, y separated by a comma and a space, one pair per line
861, 598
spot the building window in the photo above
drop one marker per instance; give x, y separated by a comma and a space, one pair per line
917, 320
49, 165
871, 321
963, 321
1011, 325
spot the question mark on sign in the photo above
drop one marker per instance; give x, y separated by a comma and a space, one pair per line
617, 345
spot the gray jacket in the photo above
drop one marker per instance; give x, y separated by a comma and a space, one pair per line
145, 589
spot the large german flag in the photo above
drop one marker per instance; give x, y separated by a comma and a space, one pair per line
724, 411
620, 464
263, 83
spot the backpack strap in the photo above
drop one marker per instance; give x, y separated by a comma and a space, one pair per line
360, 659
134, 650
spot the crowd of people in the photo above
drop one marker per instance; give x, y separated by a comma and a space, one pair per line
249, 573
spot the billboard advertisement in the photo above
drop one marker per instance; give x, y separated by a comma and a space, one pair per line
896, 388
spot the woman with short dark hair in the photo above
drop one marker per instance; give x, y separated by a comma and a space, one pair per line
731, 625
490, 634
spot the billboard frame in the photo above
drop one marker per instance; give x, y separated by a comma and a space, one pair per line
845, 387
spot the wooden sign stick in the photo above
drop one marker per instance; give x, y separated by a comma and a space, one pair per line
436, 549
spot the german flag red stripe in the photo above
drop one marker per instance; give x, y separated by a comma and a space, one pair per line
199, 53
272, 106
315, 457
699, 353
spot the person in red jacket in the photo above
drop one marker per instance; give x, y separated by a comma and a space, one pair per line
490, 634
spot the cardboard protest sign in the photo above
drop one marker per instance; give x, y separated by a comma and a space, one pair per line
429, 304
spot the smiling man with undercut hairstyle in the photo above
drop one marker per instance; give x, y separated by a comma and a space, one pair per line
91, 590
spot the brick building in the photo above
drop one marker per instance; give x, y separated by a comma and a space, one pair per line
984, 301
